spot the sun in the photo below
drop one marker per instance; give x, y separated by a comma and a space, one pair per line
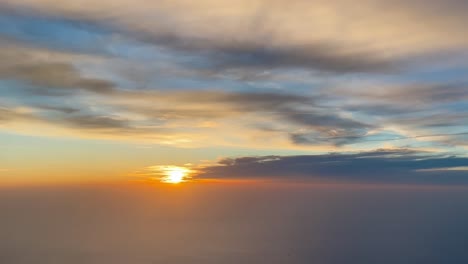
175, 174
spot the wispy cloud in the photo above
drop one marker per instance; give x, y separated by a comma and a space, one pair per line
322, 74
50, 72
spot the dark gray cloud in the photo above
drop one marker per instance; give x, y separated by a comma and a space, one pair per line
260, 40
48, 72
425, 108
67, 117
414, 101
95, 122
213, 103
61, 109
54, 78
327, 128
412, 95
337, 136
383, 110
440, 120
224, 54
381, 166
78, 119
247, 53
297, 112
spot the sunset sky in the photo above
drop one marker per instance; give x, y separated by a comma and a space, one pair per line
326, 91
233, 131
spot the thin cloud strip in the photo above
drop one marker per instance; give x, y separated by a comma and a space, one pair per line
381, 166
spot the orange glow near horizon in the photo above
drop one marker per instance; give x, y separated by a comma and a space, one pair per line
175, 174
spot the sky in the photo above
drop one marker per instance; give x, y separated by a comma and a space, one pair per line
242, 131
325, 91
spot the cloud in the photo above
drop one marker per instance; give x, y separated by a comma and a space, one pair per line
249, 116
416, 96
375, 24
411, 109
254, 70
289, 113
240, 51
304, 120
329, 36
400, 166
50, 72
225, 55
327, 128
7, 115
95, 122
62, 109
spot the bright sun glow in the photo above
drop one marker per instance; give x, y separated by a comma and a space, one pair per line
174, 174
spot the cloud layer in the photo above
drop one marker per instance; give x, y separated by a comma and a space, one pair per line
382, 166
325, 75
